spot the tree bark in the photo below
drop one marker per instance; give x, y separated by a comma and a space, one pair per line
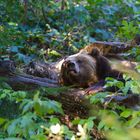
109, 47
114, 47
73, 99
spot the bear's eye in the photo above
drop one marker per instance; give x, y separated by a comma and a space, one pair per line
65, 57
79, 61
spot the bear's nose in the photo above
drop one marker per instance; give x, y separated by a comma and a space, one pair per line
70, 64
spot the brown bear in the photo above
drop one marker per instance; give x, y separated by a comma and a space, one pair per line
83, 69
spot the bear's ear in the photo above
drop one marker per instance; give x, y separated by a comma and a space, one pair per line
95, 52
83, 52
65, 57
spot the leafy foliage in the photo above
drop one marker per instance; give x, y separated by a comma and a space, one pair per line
47, 30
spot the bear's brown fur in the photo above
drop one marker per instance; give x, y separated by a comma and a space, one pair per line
84, 69
79, 70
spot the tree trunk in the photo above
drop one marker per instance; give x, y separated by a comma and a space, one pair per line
73, 100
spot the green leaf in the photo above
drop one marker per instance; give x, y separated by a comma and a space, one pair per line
98, 98
27, 124
54, 120
138, 58
54, 53
12, 138
133, 122
92, 2
101, 125
126, 113
13, 128
43, 107
2, 121
90, 124
14, 49
26, 105
76, 121
38, 137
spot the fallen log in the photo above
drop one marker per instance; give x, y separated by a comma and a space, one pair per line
109, 47
114, 47
73, 100
22, 81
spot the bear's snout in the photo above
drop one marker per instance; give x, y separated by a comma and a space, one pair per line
70, 65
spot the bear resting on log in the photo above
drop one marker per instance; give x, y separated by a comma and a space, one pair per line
87, 69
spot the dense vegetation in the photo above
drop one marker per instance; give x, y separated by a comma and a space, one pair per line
47, 30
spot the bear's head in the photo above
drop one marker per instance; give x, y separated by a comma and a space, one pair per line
79, 69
